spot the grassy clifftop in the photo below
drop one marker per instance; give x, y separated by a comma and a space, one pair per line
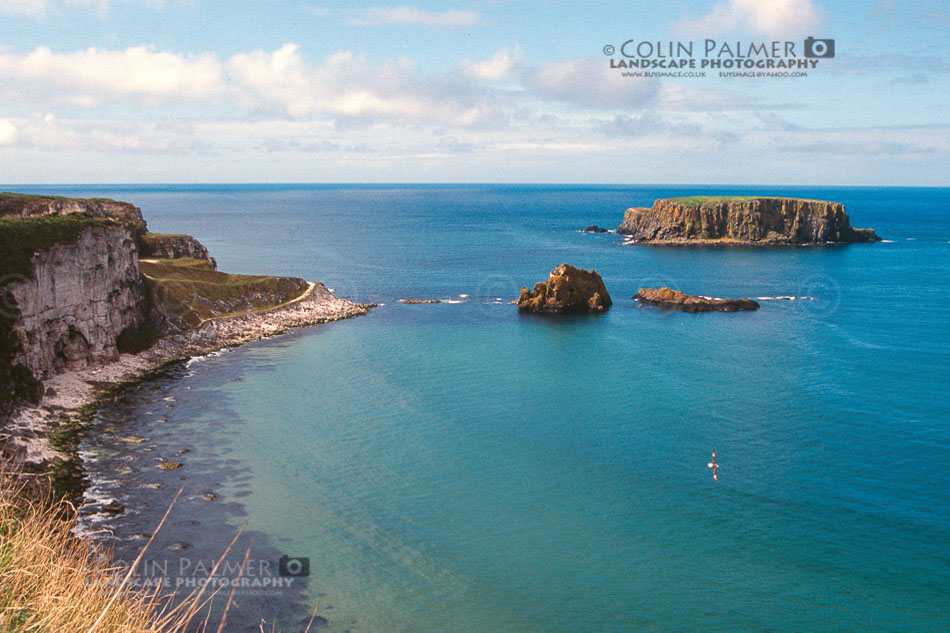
700, 200
185, 292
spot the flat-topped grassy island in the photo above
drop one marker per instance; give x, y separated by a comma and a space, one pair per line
756, 220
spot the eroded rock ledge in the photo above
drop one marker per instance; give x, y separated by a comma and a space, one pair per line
568, 289
742, 220
676, 300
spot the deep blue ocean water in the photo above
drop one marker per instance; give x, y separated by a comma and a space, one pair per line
463, 467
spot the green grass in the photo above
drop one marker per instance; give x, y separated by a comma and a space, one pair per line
152, 239
190, 291
700, 200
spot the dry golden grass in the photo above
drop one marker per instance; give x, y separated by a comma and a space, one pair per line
52, 582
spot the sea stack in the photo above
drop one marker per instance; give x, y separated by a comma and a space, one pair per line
676, 300
741, 220
568, 289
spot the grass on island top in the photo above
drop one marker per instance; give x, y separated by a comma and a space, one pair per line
192, 292
700, 200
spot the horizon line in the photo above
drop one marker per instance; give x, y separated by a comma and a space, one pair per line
4, 186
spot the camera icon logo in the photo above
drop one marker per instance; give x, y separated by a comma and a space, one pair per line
819, 48
293, 566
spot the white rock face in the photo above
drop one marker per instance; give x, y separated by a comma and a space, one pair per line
77, 301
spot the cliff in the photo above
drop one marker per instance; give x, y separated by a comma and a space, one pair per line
17, 205
77, 300
568, 289
70, 286
78, 308
73, 294
747, 220
174, 246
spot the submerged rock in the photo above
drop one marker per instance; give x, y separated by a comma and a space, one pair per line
676, 300
169, 465
568, 289
412, 301
113, 507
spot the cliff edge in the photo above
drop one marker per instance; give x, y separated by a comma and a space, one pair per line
741, 220
79, 308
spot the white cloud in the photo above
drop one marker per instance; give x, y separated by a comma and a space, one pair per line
498, 67
349, 86
36, 8
775, 18
93, 74
7, 132
589, 82
375, 16
23, 7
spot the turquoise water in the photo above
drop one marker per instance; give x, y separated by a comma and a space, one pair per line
462, 467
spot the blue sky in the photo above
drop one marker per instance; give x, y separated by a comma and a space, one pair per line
492, 91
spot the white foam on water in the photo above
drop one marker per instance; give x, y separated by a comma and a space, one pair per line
197, 359
785, 298
464, 296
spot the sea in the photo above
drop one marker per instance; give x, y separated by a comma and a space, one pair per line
463, 467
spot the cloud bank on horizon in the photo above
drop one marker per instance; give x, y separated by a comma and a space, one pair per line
516, 92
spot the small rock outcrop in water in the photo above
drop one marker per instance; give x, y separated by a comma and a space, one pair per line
741, 219
676, 300
568, 289
593, 228
413, 301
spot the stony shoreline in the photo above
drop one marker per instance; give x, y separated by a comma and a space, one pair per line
29, 429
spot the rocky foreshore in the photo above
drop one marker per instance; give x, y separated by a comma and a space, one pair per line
676, 300
28, 429
753, 220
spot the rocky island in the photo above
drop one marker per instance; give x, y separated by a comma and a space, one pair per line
676, 300
568, 289
80, 309
755, 220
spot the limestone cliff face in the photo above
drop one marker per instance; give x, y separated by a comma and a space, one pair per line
23, 206
77, 300
745, 220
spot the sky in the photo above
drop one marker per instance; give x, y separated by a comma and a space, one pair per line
189, 91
